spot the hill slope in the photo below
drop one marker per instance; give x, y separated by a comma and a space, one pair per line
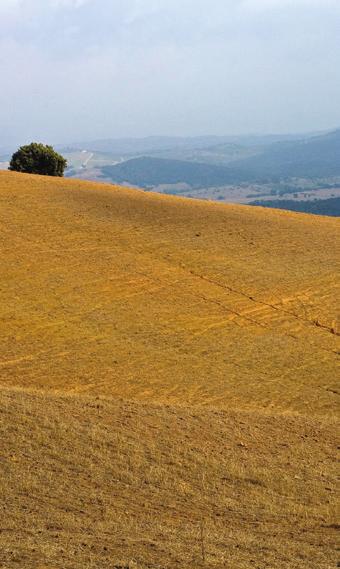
123, 315
123, 293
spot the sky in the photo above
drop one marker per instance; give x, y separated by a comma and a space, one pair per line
77, 70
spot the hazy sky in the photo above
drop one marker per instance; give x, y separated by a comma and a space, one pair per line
84, 69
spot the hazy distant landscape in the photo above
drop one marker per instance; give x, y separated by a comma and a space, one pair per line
273, 170
300, 172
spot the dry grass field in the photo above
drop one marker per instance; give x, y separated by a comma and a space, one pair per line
168, 381
103, 483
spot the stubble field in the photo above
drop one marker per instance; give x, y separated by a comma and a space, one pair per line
168, 380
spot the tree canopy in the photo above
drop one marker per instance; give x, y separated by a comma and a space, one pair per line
36, 158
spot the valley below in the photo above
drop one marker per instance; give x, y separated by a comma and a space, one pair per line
298, 173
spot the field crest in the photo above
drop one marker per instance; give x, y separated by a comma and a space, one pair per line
118, 292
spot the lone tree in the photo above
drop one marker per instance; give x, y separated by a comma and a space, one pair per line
37, 158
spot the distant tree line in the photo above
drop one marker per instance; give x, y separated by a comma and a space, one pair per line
329, 206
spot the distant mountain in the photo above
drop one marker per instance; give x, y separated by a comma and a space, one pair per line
154, 144
138, 146
148, 171
316, 157
220, 154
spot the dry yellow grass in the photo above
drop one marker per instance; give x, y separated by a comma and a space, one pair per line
167, 381
118, 292
97, 483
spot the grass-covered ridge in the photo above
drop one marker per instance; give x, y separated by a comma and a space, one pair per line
114, 291
167, 381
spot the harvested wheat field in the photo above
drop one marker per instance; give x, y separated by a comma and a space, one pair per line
168, 381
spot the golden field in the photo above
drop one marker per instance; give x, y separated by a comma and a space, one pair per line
104, 483
117, 292
168, 381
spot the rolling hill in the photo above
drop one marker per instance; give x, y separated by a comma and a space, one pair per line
149, 171
315, 157
168, 382
117, 291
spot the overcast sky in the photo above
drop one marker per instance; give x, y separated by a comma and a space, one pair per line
85, 69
